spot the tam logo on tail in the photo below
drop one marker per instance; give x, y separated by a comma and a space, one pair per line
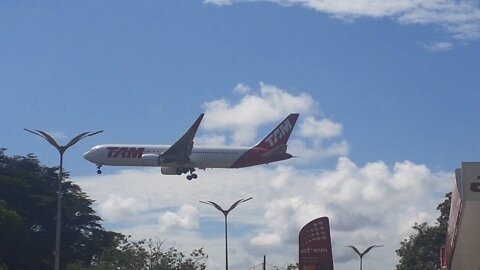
280, 134
283, 129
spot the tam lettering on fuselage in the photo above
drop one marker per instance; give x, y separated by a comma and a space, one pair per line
278, 133
125, 152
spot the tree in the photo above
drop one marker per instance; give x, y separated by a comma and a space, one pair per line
12, 231
421, 251
146, 255
27, 227
28, 213
151, 255
292, 266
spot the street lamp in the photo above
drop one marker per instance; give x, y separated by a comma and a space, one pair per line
361, 254
61, 149
225, 213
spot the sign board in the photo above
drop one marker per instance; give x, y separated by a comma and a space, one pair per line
315, 246
471, 180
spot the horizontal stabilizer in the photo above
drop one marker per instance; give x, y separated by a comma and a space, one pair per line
277, 151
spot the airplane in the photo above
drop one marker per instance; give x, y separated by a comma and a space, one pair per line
184, 157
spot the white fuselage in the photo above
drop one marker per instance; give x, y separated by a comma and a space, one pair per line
184, 157
141, 155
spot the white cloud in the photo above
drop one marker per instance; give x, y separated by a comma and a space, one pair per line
242, 88
185, 218
366, 205
308, 152
370, 204
322, 140
319, 130
211, 139
438, 46
461, 19
218, 2
285, 217
374, 203
116, 207
242, 119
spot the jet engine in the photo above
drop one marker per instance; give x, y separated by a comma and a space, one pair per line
170, 171
150, 160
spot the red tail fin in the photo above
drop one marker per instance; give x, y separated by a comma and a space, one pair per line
280, 134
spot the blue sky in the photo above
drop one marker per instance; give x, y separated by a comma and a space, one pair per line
388, 88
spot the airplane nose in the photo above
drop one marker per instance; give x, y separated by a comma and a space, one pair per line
89, 155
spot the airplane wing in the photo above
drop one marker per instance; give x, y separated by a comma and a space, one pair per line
181, 150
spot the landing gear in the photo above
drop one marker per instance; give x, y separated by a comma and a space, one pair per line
181, 171
99, 171
192, 175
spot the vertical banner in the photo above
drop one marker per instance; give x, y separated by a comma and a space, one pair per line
446, 253
315, 246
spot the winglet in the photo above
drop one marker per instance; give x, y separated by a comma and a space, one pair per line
193, 129
280, 134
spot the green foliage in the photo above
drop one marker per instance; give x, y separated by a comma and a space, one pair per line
146, 255
444, 209
421, 251
12, 231
28, 214
28, 197
152, 256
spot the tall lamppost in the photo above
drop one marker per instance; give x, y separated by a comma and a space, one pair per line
225, 213
361, 254
61, 149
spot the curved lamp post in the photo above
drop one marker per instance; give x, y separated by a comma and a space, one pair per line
225, 213
61, 149
361, 254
